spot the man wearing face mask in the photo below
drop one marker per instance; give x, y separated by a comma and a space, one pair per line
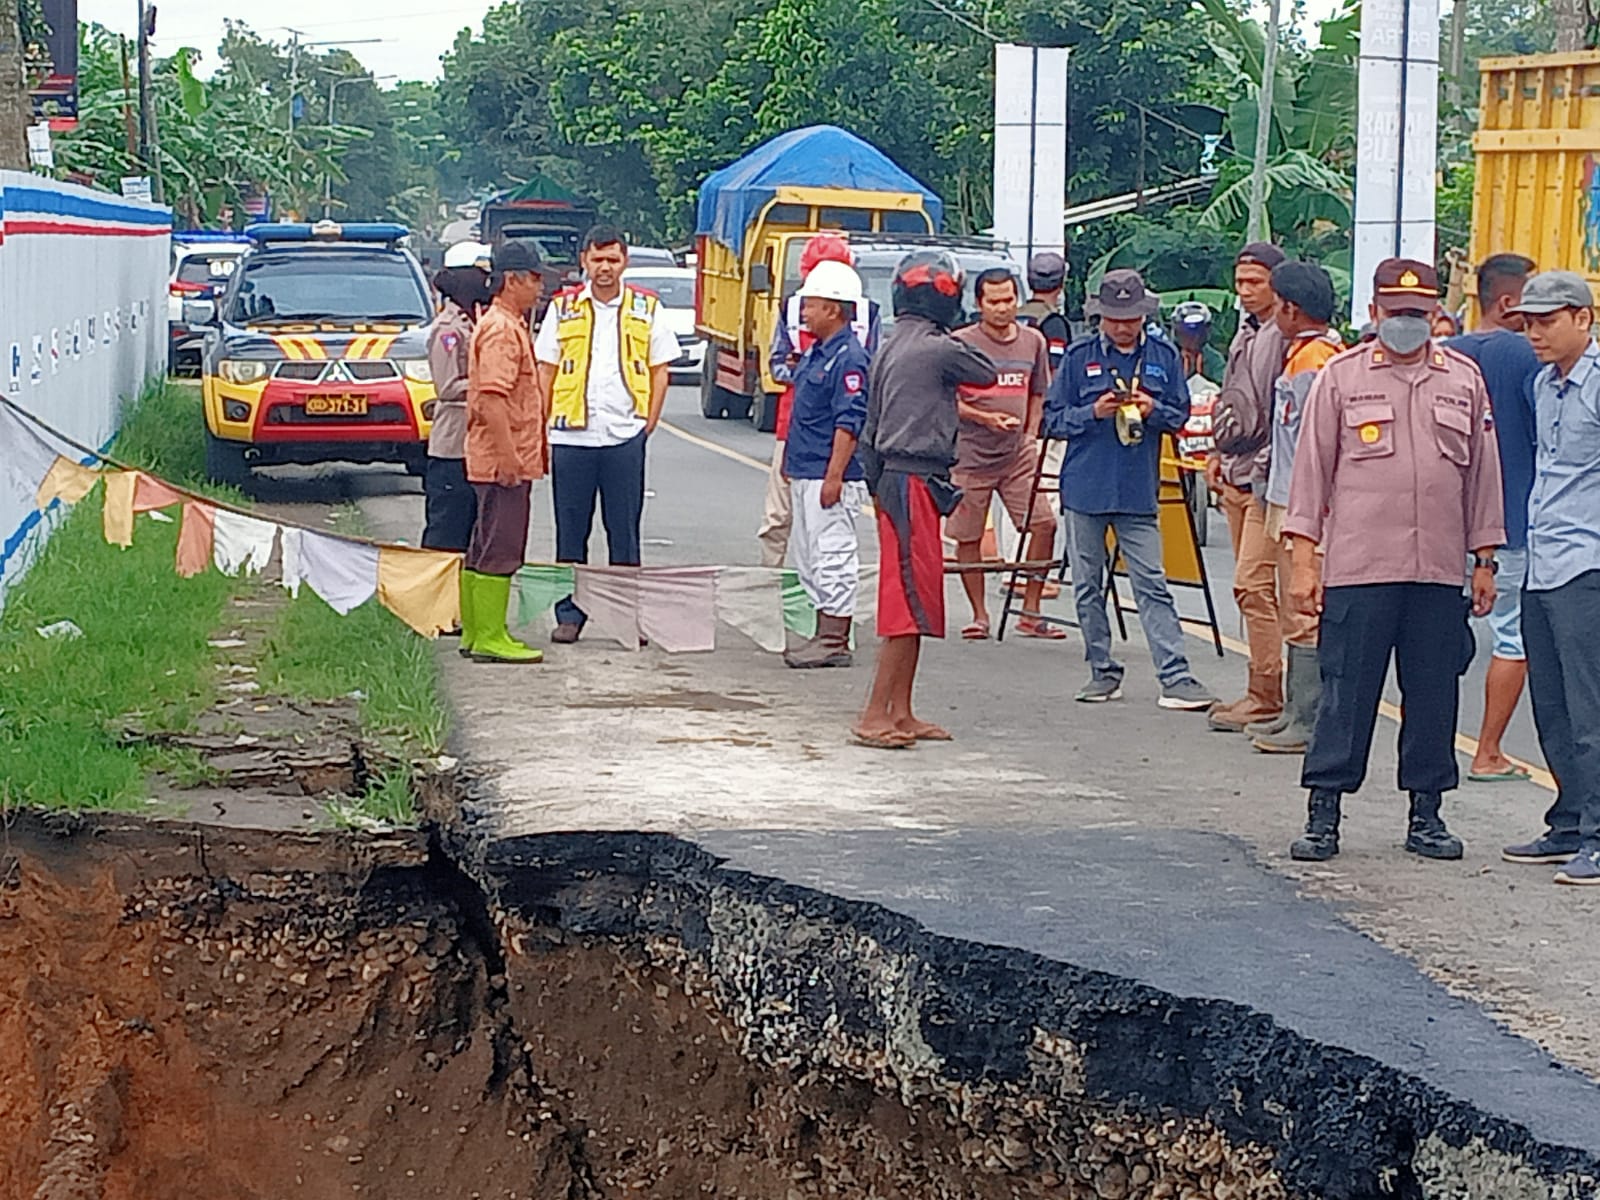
1396, 477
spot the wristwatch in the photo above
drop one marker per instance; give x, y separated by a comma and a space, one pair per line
1489, 563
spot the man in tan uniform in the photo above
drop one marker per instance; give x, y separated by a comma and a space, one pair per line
1396, 478
506, 452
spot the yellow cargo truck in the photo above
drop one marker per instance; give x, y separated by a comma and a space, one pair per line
754, 219
1537, 188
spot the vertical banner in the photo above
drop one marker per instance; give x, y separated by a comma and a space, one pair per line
1397, 139
1030, 148
55, 96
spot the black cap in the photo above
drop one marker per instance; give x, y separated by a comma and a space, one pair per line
1306, 286
515, 256
1262, 254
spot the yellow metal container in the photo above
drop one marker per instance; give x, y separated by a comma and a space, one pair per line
1537, 189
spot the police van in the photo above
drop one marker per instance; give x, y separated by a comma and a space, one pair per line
317, 351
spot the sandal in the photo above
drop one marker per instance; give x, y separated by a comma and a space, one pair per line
977, 631
1040, 629
893, 740
926, 732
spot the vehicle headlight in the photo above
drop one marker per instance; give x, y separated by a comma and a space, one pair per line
417, 370
242, 370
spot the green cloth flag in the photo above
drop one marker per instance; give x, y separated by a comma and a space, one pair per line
538, 589
798, 614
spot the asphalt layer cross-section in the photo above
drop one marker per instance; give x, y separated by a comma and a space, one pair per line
1120, 837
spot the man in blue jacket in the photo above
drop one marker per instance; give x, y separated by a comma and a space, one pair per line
1118, 394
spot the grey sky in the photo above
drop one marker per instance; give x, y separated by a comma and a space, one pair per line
414, 32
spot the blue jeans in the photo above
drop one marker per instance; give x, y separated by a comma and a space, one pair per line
1139, 541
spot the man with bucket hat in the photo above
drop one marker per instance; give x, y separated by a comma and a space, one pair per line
1561, 601
826, 485
1118, 392
1396, 479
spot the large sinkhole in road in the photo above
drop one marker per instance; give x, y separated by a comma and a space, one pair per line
189, 1011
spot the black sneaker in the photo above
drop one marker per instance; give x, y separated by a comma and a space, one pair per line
1547, 849
1583, 870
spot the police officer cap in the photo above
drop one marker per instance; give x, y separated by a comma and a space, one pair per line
1306, 286
1554, 290
1405, 284
516, 256
1047, 271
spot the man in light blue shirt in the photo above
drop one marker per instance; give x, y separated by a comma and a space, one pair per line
1561, 606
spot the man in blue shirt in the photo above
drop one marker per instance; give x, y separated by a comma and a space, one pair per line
1118, 394
1561, 604
826, 485
1508, 365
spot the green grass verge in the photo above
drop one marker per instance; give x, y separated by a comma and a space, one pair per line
63, 703
143, 649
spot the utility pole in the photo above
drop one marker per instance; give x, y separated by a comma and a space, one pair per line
130, 127
1571, 19
1458, 57
294, 72
14, 103
333, 92
1255, 223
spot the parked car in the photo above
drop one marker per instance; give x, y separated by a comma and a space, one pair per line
317, 351
652, 256
675, 286
202, 263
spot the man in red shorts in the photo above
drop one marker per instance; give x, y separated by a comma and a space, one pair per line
907, 448
998, 450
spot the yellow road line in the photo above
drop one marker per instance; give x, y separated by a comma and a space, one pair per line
715, 448
1391, 712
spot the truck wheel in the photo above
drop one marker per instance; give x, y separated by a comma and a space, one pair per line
713, 400
225, 462
764, 411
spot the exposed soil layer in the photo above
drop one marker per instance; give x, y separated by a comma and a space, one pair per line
192, 1011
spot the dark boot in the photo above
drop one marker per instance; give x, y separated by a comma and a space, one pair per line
1427, 834
1321, 840
829, 648
1305, 694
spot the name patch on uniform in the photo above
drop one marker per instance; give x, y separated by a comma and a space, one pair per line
853, 382
1370, 434
1094, 369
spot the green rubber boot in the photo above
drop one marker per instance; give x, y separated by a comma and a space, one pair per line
469, 621
491, 642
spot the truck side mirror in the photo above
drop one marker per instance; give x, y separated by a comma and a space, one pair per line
199, 312
760, 278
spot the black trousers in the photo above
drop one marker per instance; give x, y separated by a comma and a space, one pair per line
1558, 632
450, 506
1424, 627
581, 475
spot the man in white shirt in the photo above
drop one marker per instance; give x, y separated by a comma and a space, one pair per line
603, 354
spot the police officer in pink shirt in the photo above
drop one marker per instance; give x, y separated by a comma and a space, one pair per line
1397, 478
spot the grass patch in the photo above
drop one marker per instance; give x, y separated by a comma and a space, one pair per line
315, 654
143, 649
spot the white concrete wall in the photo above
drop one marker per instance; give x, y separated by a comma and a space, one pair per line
83, 322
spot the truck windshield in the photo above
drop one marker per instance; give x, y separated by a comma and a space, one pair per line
327, 285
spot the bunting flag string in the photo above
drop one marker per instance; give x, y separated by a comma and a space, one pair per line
676, 609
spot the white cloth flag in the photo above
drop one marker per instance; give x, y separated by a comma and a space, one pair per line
242, 543
343, 573
751, 600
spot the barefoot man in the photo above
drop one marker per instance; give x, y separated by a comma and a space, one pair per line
909, 446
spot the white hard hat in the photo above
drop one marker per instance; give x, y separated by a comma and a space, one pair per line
467, 254
832, 281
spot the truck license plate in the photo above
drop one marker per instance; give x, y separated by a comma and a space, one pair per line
336, 406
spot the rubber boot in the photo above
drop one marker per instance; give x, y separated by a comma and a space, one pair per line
491, 641
1321, 839
829, 648
1263, 701
469, 624
1305, 689
1427, 834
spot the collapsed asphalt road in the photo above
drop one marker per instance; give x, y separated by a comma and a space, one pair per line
1121, 839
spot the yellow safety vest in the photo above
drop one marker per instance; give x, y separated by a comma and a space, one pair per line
573, 312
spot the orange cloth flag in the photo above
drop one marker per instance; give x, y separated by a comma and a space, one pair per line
67, 482
421, 587
127, 493
195, 538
